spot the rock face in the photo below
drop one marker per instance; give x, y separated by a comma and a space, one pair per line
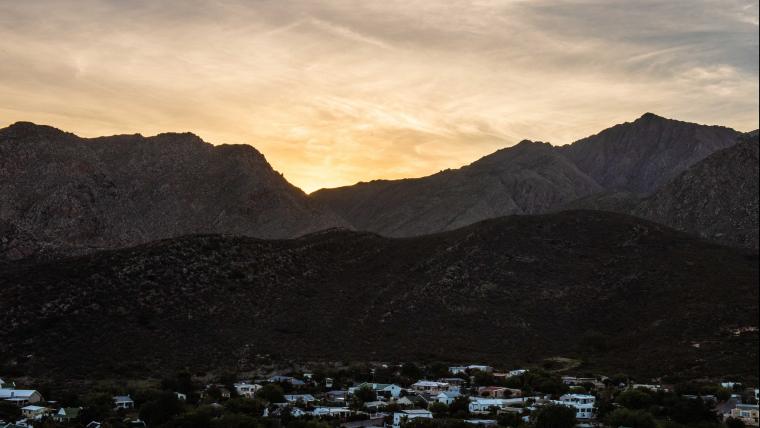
632, 158
716, 198
61, 194
530, 177
641, 156
512, 290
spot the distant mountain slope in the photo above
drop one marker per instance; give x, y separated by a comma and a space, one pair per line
716, 198
530, 178
527, 178
643, 155
621, 293
62, 194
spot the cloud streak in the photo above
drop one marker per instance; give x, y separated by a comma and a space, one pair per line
341, 91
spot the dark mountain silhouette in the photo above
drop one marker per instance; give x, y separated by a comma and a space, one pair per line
620, 293
61, 194
531, 178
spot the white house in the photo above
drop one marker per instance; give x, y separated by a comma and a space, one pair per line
447, 397
517, 372
385, 389
472, 367
406, 415
331, 411
123, 402
33, 412
66, 414
484, 405
20, 397
583, 404
246, 389
303, 398
430, 386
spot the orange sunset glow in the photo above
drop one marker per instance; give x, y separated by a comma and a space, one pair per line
337, 92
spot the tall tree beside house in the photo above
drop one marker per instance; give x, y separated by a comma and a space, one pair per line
439, 410
9, 411
555, 416
272, 393
460, 407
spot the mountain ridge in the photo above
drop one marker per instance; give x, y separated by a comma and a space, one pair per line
202, 302
640, 156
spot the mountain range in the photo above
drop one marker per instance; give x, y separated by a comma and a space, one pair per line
631, 161
63, 195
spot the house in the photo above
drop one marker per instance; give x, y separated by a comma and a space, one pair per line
375, 406
404, 402
484, 405
180, 396
33, 412
331, 411
403, 416
66, 414
384, 389
472, 367
123, 402
748, 413
282, 411
517, 372
20, 397
495, 391
246, 389
647, 386
481, 422
300, 398
337, 396
93, 424
286, 379
454, 382
430, 387
4, 384
583, 404
447, 397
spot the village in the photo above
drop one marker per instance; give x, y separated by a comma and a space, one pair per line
393, 396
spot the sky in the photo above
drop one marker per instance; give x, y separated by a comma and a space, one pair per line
336, 92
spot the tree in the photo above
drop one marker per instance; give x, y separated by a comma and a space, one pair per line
9, 411
439, 409
272, 393
162, 409
511, 420
365, 394
460, 407
411, 371
635, 399
555, 416
630, 418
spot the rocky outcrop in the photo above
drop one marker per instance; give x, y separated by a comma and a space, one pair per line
63, 195
716, 198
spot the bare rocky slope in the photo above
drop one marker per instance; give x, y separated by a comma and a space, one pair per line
530, 178
61, 194
716, 198
619, 293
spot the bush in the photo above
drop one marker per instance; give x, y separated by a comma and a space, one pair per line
634, 399
630, 418
272, 393
555, 416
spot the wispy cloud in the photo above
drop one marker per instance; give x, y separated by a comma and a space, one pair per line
340, 91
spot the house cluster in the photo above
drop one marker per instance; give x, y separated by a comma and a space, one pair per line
398, 404
34, 408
